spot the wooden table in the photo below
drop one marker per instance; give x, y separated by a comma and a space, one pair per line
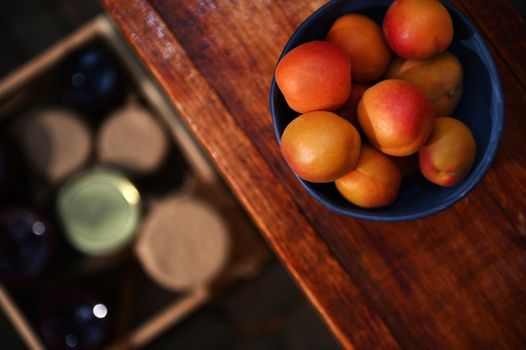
455, 280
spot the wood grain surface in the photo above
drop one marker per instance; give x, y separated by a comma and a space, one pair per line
455, 280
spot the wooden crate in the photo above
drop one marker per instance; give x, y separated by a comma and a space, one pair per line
249, 253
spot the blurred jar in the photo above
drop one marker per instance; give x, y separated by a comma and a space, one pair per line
99, 210
55, 140
189, 254
25, 245
77, 320
133, 139
92, 81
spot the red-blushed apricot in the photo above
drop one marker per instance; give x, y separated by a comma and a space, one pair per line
438, 77
408, 165
315, 76
418, 28
320, 146
362, 39
449, 154
349, 110
396, 117
373, 183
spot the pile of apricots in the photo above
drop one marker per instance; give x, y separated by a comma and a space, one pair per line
376, 104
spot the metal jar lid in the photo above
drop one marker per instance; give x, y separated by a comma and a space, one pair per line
99, 210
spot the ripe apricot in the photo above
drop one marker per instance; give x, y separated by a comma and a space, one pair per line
362, 39
320, 146
315, 76
418, 28
449, 154
396, 117
438, 77
373, 183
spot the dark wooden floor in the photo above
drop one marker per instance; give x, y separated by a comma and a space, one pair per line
28, 27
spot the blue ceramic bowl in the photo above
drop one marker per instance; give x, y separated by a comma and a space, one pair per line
481, 108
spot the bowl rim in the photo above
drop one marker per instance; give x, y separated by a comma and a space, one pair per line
477, 173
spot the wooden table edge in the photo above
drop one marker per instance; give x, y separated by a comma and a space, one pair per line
366, 322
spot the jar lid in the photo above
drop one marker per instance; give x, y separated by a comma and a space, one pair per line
99, 210
133, 139
55, 140
184, 244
